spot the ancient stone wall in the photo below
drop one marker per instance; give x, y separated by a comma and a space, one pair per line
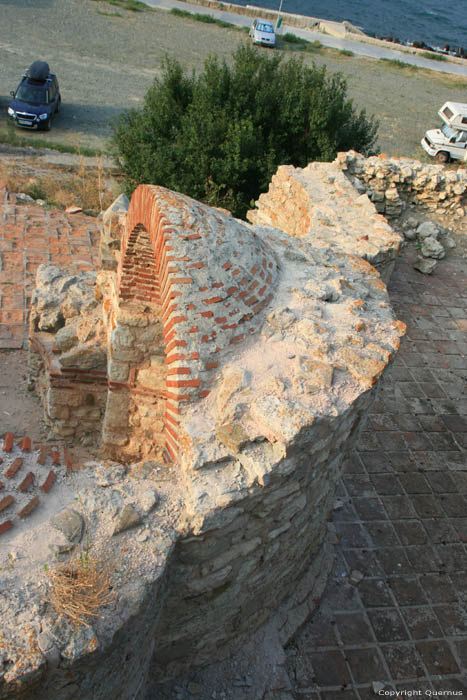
267, 351
207, 289
67, 360
320, 204
392, 182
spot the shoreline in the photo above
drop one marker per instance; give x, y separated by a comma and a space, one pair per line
340, 30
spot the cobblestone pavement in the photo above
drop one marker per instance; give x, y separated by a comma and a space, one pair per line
29, 236
401, 516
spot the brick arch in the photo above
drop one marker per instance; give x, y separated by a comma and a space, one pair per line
207, 275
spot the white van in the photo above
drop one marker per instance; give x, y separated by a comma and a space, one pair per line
262, 32
454, 114
450, 141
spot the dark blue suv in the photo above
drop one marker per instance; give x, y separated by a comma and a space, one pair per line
37, 98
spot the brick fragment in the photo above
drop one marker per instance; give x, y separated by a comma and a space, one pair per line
8, 442
15, 466
68, 460
42, 455
55, 456
25, 444
5, 502
27, 481
5, 526
49, 482
29, 508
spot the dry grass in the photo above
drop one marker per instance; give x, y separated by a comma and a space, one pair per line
81, 186
80, 588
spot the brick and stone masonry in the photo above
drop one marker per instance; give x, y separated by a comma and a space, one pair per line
250, 358
320, 203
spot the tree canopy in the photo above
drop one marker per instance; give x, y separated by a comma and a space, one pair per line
219, 136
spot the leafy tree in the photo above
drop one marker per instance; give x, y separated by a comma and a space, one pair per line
219, 136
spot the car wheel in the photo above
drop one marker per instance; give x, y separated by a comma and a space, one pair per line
48, 124
442, 157
59, 104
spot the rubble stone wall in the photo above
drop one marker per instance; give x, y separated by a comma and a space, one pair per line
390, 182
318, 203
67, 361
261, 555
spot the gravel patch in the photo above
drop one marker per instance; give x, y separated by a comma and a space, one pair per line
106, 58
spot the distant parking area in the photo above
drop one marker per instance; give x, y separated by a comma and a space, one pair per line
106, 58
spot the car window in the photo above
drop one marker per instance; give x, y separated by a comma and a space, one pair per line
265, 28
34, 96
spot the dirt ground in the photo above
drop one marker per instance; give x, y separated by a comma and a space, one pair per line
20, 409
106, 58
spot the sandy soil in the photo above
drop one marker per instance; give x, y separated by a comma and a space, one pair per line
20, 409
106, 58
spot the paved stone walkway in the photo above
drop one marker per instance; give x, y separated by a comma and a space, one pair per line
401, 516
29, 236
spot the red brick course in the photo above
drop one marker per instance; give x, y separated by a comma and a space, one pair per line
30, 481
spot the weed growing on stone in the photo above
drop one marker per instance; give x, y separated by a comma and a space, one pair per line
80, 587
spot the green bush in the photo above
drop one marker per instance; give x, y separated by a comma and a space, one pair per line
219, 136
294, 39
433, 56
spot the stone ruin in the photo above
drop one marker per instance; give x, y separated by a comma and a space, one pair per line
224, 368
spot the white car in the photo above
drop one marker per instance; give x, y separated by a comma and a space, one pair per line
262, 32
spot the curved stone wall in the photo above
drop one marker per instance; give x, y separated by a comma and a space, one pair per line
234, 531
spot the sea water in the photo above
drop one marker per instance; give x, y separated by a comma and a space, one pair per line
436, 22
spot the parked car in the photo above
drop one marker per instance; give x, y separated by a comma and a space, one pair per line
36, 99
262, 32
450, 141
